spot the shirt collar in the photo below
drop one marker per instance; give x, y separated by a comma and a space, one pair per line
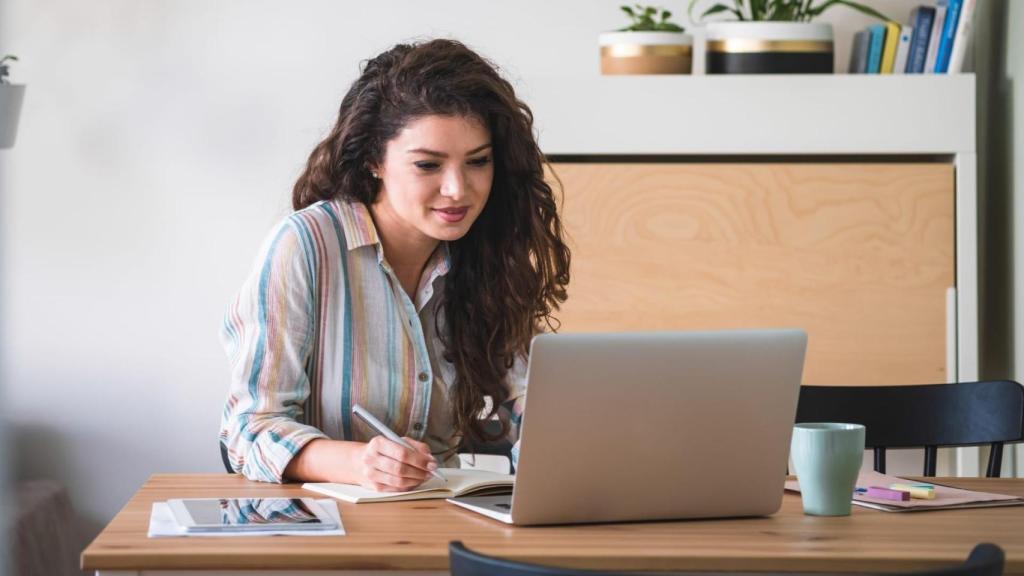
359, 229
357, 224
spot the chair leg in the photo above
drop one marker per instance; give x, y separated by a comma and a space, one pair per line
931, 455
880, 460
995, 460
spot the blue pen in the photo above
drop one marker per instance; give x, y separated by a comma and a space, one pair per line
387, 433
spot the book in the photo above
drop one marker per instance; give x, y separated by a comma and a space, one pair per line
859, 52
948, 34
946, 498
935, 36
921, 19
460, 483
875, 48
892, 40
903, 50
962, 37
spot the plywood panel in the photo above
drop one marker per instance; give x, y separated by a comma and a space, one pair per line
859, 255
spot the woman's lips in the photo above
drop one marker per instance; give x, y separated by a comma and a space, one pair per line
452, 214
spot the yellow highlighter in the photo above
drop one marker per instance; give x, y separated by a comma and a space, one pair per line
919, 491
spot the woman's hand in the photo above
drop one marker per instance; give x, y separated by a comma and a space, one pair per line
379, 464
386, 466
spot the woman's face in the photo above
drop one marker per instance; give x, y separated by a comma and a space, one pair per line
435, 177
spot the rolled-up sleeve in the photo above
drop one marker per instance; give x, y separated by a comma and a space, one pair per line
268, 333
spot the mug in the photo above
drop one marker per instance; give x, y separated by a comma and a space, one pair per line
827, 458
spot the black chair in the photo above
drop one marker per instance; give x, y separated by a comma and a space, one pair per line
224, 458
500, 447
464, 562
984, 560
928, 416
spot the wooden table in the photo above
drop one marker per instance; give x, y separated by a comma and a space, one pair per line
415, 535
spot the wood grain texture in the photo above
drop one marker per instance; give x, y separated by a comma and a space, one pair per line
415, 535
859, 255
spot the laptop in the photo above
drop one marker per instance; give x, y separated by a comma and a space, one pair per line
653, 426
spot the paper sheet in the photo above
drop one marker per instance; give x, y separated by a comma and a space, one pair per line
946, 498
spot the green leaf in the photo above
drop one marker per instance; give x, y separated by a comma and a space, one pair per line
689, 10
627, 10
818, 10
718, 8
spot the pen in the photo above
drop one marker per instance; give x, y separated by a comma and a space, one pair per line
380, 427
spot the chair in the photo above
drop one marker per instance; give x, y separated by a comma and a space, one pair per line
500, 447
464, 562
224, 458
984, 560
929, 416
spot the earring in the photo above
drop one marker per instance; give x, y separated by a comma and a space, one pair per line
375, 175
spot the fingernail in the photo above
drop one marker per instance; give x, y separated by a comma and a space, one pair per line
432, 466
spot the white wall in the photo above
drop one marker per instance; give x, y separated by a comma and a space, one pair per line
159, 142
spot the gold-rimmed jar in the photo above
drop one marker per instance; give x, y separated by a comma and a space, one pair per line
646, 53
769, 48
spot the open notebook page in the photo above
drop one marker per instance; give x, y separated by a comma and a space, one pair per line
459, 482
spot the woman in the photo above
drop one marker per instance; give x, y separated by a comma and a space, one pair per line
424, 254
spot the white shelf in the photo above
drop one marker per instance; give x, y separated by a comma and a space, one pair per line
753, 114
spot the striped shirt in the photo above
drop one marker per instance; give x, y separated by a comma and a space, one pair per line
323, 323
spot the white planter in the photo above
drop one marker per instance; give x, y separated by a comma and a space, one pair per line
11, 96
646, 52
769, 48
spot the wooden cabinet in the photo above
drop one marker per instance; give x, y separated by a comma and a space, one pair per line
860, 255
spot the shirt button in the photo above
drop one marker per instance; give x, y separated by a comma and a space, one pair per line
424, 377
417, 426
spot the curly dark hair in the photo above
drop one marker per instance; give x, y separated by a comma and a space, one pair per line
509, 272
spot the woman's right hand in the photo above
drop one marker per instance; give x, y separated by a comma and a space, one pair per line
386, 466
380, 464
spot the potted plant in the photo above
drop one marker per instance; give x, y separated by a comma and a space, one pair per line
10, 104
651, 44
772, 36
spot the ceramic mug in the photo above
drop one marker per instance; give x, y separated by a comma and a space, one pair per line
827, 458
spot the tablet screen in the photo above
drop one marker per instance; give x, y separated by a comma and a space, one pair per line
250, 511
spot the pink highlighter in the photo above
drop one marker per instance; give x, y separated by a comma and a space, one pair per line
887, 494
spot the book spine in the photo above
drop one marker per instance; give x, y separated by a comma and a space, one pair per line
963, 36
903, 50
875, 50
948, 34
892, 40
859, 53
935, 36
922, 18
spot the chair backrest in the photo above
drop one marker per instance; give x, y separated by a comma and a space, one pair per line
465, 562
984, 560
224, 458
929, 416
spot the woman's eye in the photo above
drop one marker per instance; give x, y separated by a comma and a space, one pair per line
426, 166
481, 161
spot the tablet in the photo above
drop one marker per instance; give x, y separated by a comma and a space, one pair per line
250, 514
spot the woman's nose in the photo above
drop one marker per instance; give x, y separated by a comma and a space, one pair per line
454, 184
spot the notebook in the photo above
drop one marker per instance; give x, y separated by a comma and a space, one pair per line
946, 498
460, 483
